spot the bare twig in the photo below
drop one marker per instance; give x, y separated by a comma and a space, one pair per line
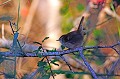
87, 64
67, 63
31, 48
113, 68
50, 68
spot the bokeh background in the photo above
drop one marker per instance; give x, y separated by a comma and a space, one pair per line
52, 18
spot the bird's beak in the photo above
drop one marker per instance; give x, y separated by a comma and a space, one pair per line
57, 40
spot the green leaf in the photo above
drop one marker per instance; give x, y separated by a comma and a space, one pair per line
112, 7
80, 7
69, 75
47, 67
119, 31
38, 50
41, 63
68, 72
45, 39
59, 71
53, 62
53, 50
63, 47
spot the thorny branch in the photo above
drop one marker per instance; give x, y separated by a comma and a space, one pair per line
30, 53
59, 53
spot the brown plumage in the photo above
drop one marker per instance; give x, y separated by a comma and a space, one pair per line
73, 39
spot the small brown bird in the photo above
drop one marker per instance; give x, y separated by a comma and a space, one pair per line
73, 39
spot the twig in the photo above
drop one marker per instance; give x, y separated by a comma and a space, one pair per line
30, 76
87, 64
67, 63
50, 68
113, 68
57, 53
98, 47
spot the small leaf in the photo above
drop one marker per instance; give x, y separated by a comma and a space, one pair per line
53, 62
63, 47
58, 71
39, 48
41, 63
112, 7
45, 39
46, 68
69, 75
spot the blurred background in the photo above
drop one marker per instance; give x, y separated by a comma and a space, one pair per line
53, 18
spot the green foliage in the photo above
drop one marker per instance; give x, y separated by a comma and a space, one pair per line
98, 33
69, 11
63, 47
112, 7
38, 50
69, 72
80, 7
69, 75
44, 70
54, 62
68, 25
119, 31
92, 43
42, 63
64, 10
53, 50
47, 67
